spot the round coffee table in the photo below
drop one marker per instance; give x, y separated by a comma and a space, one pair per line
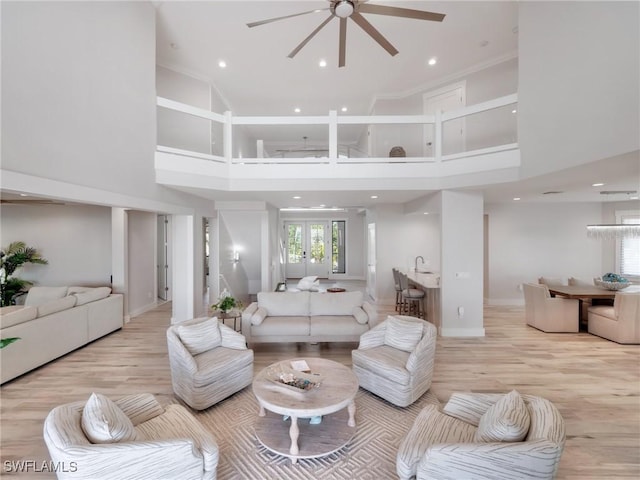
302, 439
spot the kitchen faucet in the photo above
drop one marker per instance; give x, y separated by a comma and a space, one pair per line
416, 266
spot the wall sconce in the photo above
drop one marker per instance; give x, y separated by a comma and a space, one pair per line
236, 256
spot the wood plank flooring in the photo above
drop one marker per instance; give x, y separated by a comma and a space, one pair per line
594, 383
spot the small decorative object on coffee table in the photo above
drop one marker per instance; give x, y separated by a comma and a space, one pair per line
336, 389
336, 290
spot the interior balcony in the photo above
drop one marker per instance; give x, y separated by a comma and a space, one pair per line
471, 146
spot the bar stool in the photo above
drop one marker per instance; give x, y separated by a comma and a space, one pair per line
412, 298
396, 282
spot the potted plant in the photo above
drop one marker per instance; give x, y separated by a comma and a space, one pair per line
226, 303
14, 257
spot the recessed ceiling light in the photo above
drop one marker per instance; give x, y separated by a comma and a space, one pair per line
24, 195
344, 109
374, 196
597, 184
633, 198
222, 64
297, 197
432, 61
514, 111
322, 63
516, 198
426, 213
322, 205
297, 110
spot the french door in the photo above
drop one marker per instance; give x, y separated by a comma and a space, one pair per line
307, 248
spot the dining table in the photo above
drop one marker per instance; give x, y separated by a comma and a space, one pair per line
587, 292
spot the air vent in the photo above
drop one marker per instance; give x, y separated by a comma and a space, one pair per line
552, 192
617, 192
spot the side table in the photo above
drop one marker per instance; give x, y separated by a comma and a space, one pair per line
233, 314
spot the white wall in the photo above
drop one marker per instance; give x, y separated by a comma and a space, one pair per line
530, 240
142, 244
75, 239
244, 228
79, 98
577, 58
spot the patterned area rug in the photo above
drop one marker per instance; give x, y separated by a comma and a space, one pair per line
370, 455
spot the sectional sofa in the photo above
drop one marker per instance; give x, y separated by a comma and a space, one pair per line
54, 321
307, 317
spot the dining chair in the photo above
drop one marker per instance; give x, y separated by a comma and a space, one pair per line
547, 313
396, 284
620, 322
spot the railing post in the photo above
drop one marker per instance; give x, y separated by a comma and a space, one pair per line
438, 136
333, 136
227, 132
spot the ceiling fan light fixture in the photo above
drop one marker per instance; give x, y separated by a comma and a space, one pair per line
344, 8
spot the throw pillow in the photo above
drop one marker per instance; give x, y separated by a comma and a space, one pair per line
402, 334
104, 422
200, 337
507, 420
92, 295
307, 283
258, 317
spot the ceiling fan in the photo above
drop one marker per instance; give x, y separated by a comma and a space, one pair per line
344, 9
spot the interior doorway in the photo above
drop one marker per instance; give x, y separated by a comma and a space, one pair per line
307, 250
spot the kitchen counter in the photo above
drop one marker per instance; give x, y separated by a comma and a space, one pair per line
430, 283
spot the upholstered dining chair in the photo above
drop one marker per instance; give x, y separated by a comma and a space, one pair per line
209, 361
484, 436
394, 360
550, 314
620, 322
130, 437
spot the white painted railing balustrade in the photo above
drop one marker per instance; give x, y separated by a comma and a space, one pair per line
473, 132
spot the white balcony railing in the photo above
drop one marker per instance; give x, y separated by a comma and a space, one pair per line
474, 131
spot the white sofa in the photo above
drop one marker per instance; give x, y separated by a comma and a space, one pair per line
307, 317
54, 321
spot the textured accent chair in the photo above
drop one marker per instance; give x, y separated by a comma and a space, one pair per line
168, 443
620, 322
394, 360
209, 361
550, 314
444, 444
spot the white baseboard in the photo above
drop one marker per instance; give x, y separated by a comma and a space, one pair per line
461, 332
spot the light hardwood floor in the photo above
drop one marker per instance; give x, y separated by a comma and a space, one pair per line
594, 383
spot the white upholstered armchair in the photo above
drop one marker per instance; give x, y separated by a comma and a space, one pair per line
164, 443
620, 322
464, 440
209, 361
394, 360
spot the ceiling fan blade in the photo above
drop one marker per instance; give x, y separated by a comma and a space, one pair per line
400, 12
373, 33
262, 22
295, 51
343, 43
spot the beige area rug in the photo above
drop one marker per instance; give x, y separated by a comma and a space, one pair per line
371, 454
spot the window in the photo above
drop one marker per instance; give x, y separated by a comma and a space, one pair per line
338, 246
628, 248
